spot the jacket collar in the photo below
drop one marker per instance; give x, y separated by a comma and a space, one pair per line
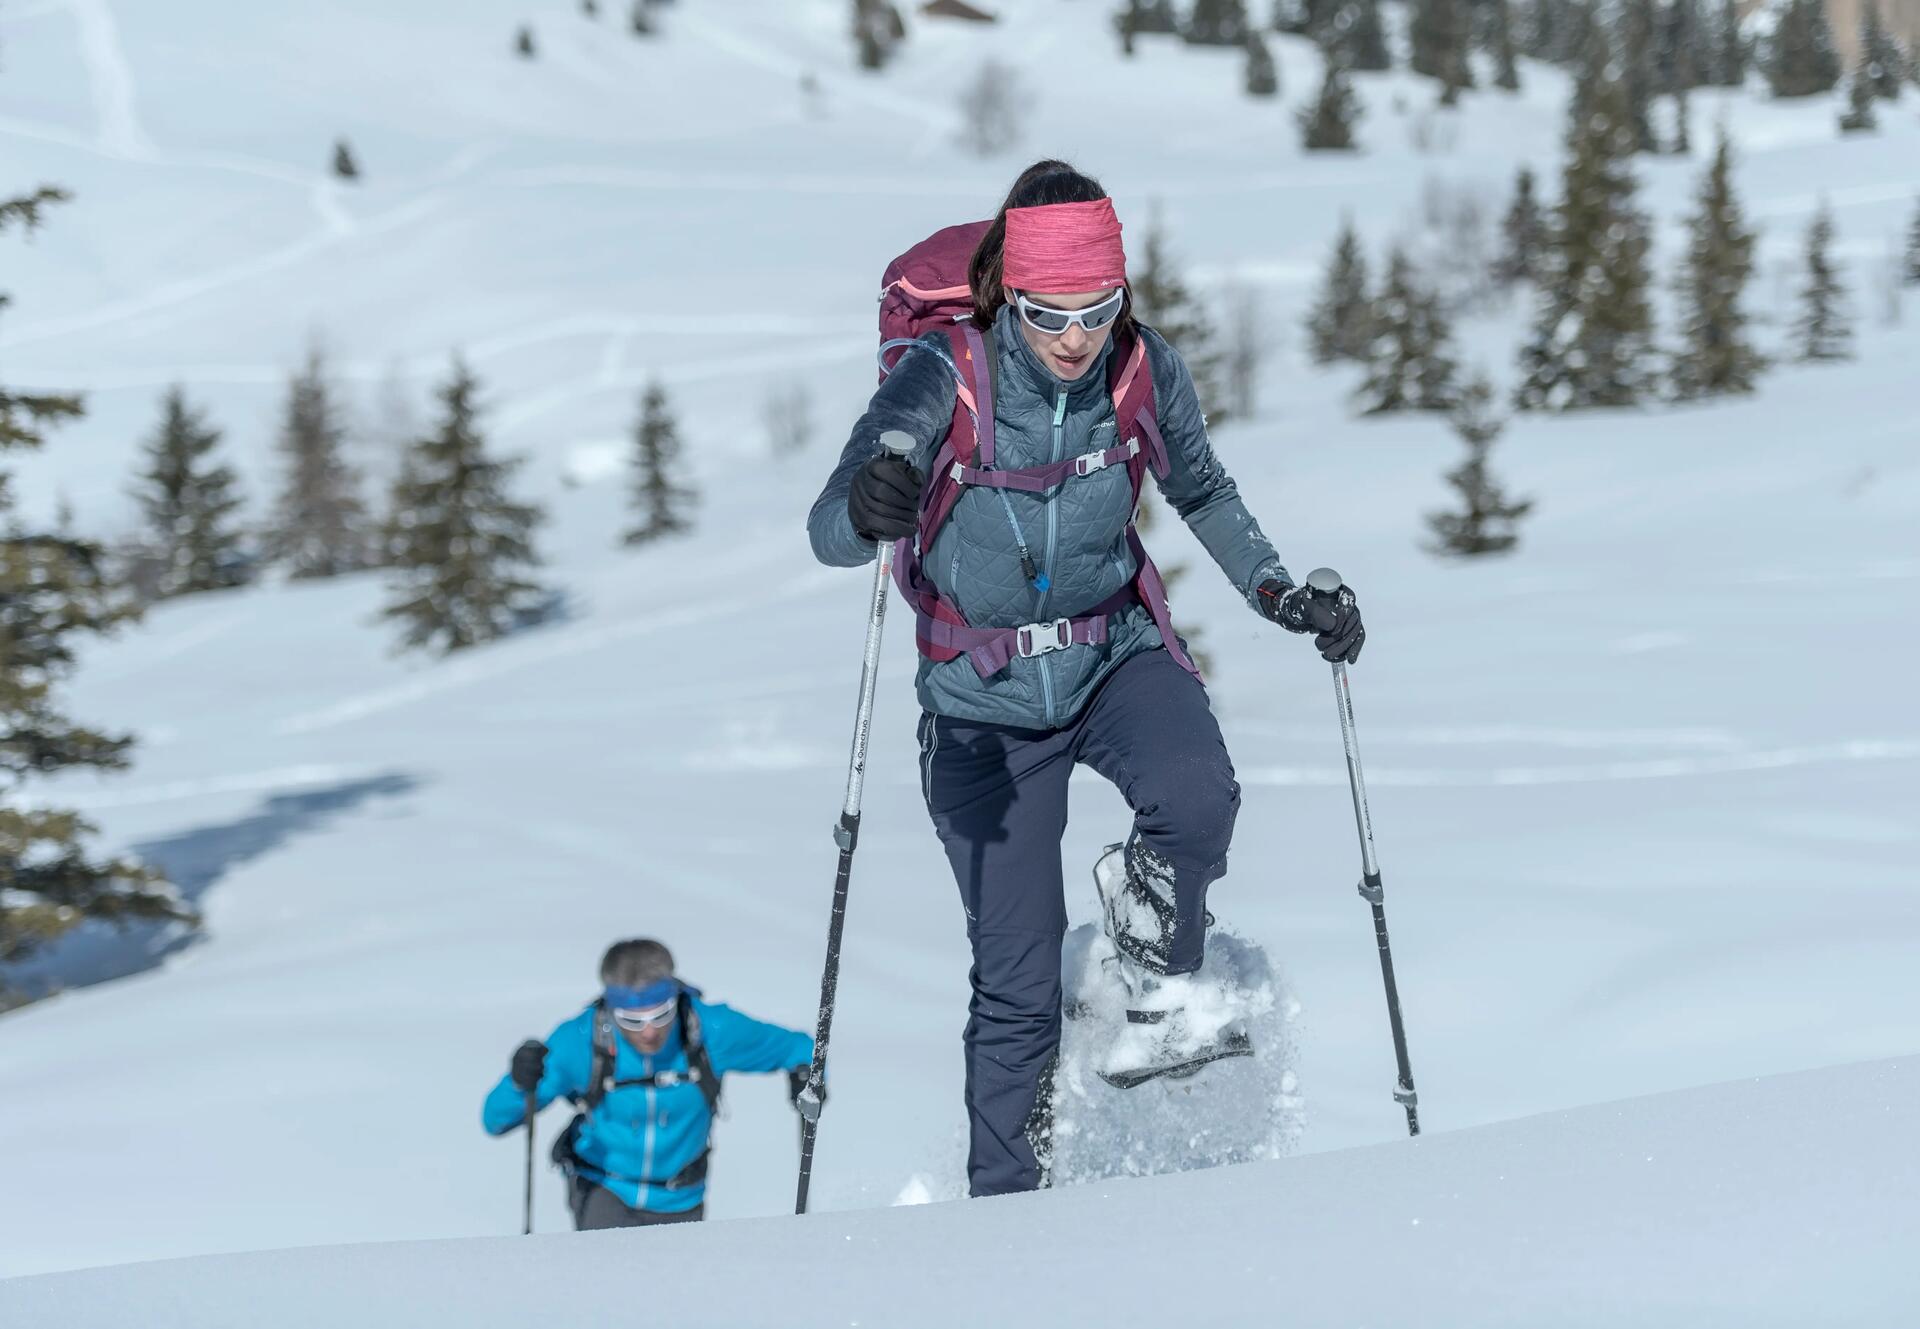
1018, 358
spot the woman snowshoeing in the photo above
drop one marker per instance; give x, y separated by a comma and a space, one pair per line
1043, 629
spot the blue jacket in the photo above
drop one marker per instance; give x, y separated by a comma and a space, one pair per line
1076, 533
639, 1137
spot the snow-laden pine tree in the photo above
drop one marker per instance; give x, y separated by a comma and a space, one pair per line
1500, 45
344, 164
462, 548
1410, 365
662, 501
1439, 33
53, 596
1858, 118
319, 526
1885, 58
1487, 520
1715, 355
1339, 326
1360, 35
1327, 124
1799, 58
1216, 23
1727, 47
1162, 301
1263, 76
1592, 339
189, 500
1824, 329
1523, 234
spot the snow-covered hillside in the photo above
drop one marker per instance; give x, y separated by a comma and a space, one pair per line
1644, 792
1784, 1201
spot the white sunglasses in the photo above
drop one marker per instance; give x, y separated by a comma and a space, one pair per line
640, 1020
1045, 318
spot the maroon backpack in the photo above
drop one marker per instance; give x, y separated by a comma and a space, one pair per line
927, 288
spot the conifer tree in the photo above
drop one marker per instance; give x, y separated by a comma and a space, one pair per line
1912, 263
1409, 362
1263, 76
1592, 343
1799, 59
1327, 125
463, 549
1155, 17
1858, 118
877, 30
1885, 60
591, 8
53, 595
640, 21
320, 526
662, 504
344, 164
1217, 23
1683, 58
1500, 45
1823, 330
1162, 301
1523, 235
1439, 35
1488, 520
189, 502
523, 43
1640, 68
1715, 355
1361, 37
1728, 47
1340, 325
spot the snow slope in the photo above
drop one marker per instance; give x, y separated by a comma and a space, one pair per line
1644, 793
1780, 1201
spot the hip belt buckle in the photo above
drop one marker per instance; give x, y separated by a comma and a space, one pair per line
1040, 638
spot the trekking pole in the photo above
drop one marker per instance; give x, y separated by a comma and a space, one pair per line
533, 1107
1325, 583
846, 834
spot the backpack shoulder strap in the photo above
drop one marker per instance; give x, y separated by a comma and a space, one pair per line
600, 1073
697, 1059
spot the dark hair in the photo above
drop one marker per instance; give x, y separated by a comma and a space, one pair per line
635, 963
1042, 183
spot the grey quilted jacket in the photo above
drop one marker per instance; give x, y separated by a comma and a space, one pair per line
1076, 534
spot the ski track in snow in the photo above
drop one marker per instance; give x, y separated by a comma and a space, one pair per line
1657, 768
538, 647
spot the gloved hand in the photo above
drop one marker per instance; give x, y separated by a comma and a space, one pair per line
1335, 618
797, 1080
884, 501
529, 1064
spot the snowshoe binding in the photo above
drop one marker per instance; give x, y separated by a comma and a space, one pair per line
1176, 1024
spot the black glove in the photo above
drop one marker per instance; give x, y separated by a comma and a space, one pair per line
797, 1080
884, 501
1335, 618
529, 1064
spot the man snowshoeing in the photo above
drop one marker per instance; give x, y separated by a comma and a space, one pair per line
1043, 629
644, 1064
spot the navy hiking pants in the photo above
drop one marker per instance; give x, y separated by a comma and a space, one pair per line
998, 797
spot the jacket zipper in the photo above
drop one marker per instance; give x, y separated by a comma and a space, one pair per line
1053, 523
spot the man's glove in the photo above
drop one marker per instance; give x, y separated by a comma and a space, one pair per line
529, 1064
884, 501
797, 1081
1334, 618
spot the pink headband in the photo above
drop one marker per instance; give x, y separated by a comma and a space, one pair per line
1064, 247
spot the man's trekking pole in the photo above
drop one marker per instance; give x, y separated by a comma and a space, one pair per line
533, 1107
846, 834
1326, 583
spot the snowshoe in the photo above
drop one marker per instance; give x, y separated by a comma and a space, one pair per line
1176, 1024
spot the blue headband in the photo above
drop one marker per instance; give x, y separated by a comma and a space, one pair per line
658, 993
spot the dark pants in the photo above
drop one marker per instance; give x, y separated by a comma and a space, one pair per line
998, 797
595, 1206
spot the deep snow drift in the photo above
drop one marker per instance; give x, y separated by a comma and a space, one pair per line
1787, 1201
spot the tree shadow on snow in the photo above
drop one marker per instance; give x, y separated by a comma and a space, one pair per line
193, 860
